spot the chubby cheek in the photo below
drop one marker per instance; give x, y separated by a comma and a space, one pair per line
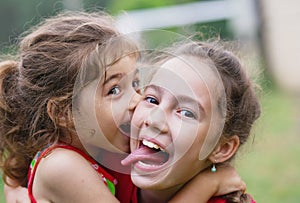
118, 109
183, 137
187, 143
187, 150
107, 123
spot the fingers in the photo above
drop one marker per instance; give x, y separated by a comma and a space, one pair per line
243, 186
229, 180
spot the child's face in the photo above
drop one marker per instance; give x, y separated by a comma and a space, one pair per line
174, 116
114, 98
114, 103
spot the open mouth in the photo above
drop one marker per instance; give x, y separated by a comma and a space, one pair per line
148, 156
158, 155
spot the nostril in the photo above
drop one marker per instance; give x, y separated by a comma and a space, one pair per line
146, 123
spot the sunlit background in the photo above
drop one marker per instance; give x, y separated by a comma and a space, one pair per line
268, 33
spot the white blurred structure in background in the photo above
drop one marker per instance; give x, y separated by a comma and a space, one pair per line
281, 36
240, 12
276, 20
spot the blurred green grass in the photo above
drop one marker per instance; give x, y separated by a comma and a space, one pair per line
270, 164
1, 191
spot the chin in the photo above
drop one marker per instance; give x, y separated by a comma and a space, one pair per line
150, 182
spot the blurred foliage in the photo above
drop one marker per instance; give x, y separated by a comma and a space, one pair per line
16, 16
219, 29
117, 5
270, 166
207, 30
1, 191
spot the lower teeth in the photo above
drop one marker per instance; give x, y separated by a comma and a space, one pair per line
147, 164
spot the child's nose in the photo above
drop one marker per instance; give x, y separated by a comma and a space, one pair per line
157, 119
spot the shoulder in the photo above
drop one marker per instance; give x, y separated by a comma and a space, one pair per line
63, 164
62, 173
59, 158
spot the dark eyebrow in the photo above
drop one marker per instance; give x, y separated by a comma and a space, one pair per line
155, 87
114, 76
190, 99
117, 76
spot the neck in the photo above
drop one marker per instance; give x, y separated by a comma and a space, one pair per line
157, 196
72, 139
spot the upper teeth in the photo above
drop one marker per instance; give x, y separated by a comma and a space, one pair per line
151, 145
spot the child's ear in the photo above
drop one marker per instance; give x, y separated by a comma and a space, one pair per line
55, 115
225, 149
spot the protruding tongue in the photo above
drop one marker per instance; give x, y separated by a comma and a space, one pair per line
147, 155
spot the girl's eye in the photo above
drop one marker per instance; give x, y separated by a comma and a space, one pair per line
151, 100
187, 113
115, 90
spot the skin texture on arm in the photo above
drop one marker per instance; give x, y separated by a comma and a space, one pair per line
208, 184
65, 176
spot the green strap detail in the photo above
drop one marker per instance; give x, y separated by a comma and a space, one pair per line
111, 187
32, 163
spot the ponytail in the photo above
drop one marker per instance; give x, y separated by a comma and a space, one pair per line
8, 80
11, 157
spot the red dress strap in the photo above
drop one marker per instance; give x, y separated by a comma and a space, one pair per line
216, 200
108, 179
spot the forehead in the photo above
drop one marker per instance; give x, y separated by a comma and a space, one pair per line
125, 65
184, 76
192, 68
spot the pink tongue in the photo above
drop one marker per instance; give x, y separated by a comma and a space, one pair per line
145, 154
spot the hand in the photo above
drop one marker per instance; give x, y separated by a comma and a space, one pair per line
16, 194
207, 184
228, 180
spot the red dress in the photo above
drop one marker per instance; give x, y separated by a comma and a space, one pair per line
108, 179
120, 184
126, 191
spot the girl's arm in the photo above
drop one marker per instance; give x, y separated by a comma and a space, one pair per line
65, 176
208, 184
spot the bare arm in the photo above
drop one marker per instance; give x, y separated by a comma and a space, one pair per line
65, 176
207, 184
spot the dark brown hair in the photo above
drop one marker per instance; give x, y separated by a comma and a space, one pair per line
51, 56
